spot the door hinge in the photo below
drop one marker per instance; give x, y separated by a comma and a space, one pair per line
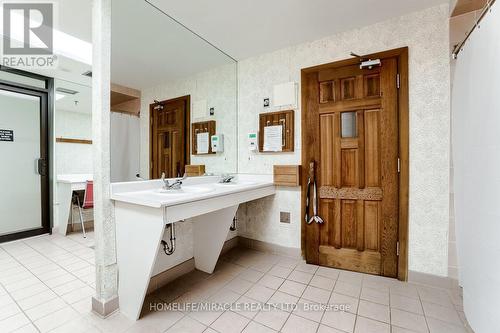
398, 81
399, 165
397, 248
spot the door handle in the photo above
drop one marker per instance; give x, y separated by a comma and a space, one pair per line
42, 167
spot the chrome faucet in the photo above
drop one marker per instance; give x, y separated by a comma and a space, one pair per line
226, 179
176, 185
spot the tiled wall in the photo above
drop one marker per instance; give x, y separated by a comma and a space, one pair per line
426, 33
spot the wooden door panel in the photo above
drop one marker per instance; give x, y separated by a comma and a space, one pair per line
327, 139
169, 139
348, 222
372, 85
347, 88
327, 91
348, 171
372, 230
357, 174
360, 225
177, 156
389, 163
372, 148
350, 259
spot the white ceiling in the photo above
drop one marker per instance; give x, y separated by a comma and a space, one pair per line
244, 28
149, 49
74, 17
83, 97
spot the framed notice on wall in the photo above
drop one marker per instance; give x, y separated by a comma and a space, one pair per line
6, 135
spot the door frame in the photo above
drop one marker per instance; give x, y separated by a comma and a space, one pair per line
187, 129
403, 146
46, 107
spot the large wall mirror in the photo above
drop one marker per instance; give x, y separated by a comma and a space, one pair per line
174, 98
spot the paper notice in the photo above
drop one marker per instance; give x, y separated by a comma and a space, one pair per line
199, 109
273, 138
202, 143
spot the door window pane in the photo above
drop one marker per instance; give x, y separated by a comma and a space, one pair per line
21, 194
348, 124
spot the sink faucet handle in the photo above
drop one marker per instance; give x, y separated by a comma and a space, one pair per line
226, 178
165, 181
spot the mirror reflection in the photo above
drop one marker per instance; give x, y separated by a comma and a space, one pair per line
182, 93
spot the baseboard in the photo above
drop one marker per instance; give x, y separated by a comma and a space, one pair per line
258, 245
160, 280
432, 280
229, 244
106, 308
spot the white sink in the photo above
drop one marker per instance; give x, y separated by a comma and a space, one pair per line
186, 190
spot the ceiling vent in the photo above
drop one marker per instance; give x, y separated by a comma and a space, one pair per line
87, 73
66, 91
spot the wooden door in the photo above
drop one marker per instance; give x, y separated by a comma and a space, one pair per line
169, 137
350, 131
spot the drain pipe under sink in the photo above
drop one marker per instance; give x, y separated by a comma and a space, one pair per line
233, 225
169, 249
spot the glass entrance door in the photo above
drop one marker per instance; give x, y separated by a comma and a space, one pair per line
24, 194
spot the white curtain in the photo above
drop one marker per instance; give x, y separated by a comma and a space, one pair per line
125, 147
476, 153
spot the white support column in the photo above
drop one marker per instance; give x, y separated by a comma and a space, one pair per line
106, 299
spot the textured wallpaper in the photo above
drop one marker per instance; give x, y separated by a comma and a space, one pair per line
218, 87
426, 33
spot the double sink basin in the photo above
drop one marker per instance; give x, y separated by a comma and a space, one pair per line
201, 189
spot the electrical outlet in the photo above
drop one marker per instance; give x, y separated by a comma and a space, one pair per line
284, 217
212, 111
267, 103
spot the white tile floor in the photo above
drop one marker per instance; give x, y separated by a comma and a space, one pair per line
46, 284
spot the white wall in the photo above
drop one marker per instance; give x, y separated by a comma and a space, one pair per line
426, 33
476, 149
70, 157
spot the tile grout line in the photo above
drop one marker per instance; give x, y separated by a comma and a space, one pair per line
266, 272
35, 275
63, 268
15, 301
